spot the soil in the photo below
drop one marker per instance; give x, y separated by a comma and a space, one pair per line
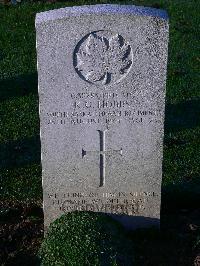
21, 233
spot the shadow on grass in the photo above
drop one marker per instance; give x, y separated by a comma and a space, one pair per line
25, 259
18, 86
19, 153
185, 115
184, 195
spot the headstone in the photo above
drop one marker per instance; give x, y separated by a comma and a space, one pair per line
102, 74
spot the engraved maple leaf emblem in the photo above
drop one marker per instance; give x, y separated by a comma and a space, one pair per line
102, 60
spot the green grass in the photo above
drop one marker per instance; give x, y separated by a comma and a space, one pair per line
19, 125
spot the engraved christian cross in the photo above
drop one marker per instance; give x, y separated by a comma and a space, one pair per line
102, 152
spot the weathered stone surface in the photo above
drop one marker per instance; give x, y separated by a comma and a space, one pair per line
102, 73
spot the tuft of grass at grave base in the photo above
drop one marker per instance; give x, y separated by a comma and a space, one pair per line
86, 238
20, 169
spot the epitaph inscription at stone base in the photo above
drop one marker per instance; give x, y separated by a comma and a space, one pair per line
102, 74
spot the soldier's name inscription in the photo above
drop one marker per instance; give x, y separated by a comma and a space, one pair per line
108, 107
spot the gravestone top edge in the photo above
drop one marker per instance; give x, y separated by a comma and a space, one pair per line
99, 10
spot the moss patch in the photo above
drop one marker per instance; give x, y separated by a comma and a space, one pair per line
86, 238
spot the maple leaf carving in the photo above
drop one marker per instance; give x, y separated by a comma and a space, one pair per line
102, 60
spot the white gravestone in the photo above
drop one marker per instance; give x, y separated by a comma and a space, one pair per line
102, 75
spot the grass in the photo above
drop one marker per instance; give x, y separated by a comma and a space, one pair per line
20, 170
